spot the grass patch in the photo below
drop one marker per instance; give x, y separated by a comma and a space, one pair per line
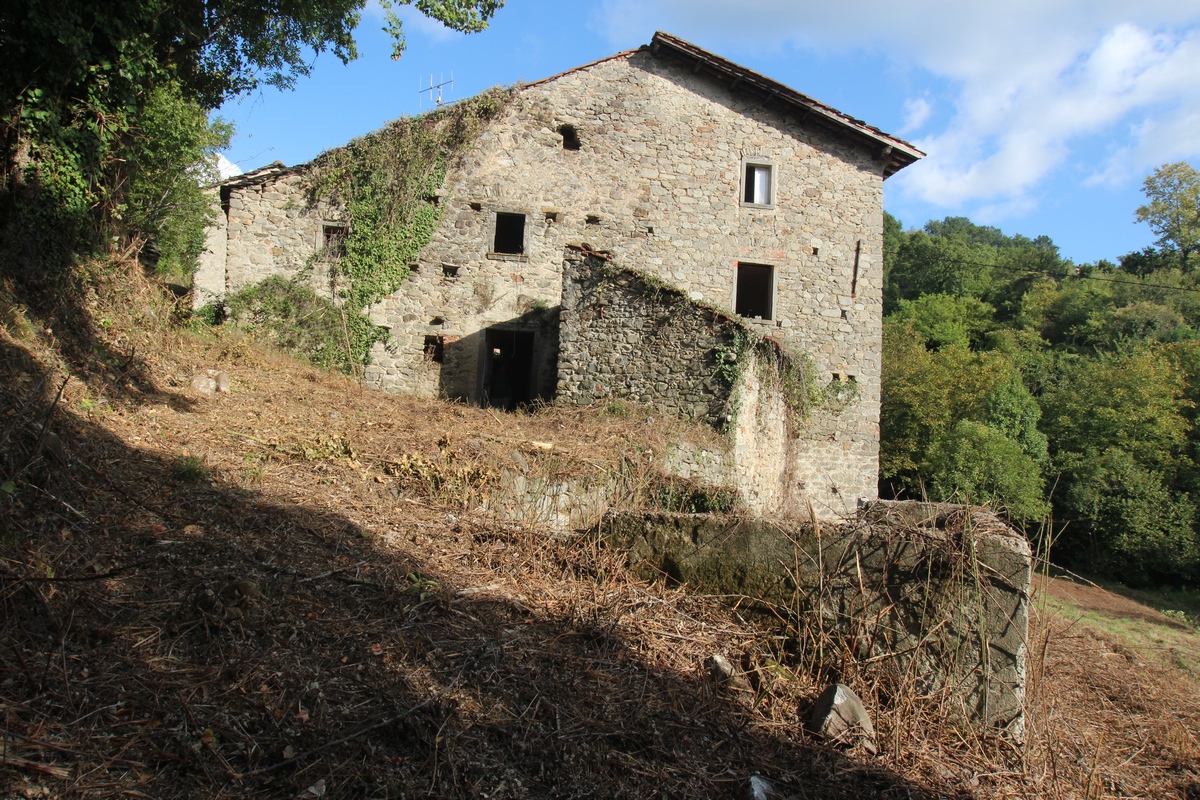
1176, 648
191, 469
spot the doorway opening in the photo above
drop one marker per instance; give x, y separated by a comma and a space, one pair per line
509, 375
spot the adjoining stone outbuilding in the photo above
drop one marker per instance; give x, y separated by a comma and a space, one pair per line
739, 193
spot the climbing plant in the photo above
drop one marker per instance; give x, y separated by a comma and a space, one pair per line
388, 182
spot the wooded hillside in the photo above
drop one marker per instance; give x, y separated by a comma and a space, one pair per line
1063, 393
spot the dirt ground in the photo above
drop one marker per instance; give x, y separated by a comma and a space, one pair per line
296, 589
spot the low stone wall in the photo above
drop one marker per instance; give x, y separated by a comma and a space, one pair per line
934, 595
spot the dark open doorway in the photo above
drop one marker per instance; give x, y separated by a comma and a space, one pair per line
508, 369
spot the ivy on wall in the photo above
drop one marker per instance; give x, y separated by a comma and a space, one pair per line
793, 374
388, 181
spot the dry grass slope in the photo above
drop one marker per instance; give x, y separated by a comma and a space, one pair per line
297, 589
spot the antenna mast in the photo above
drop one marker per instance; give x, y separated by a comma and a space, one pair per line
437, 100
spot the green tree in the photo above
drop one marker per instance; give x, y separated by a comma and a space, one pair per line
927, 396
1132, 399
1123, 519
945, 320
174, 146
79, 74
1173, 210
974, 463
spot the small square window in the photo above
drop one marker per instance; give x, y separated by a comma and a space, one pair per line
758, 184
510, 234
333, 240
570, 137
755, 291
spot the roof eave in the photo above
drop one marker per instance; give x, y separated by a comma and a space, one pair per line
894, 153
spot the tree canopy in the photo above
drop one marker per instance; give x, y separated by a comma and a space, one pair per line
1173, 210
1013, 377
90, 88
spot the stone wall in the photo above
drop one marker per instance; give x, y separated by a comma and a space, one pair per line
626, 335
623, 336
208, 284
657, 181
926, 597
273, 229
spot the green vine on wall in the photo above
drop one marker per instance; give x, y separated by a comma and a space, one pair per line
793, 374
387, 182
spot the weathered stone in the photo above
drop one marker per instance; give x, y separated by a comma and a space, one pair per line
204, 384
657, 183
898, 581
840, 716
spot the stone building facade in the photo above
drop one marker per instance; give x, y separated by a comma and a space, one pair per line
740, 192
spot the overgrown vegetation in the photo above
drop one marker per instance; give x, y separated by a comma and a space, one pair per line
295, 318
1015, 377
388, 183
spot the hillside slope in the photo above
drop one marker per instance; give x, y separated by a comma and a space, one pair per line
300, 587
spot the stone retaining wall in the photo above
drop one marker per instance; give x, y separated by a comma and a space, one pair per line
935, 595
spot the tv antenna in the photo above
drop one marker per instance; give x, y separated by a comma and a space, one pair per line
436, 87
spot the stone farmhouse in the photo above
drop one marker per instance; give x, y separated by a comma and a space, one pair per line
620, 231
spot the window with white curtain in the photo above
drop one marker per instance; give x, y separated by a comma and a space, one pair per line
758, 183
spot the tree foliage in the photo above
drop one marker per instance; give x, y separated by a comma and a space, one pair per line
1173, 210
1014, 377
84, 79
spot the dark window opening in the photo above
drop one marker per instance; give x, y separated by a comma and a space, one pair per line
570, 137
476, 206
592, 219
552, 217
754, 291
816, 251
449, 271
333, 240
510, 234
438, 321
757, 188
435, 349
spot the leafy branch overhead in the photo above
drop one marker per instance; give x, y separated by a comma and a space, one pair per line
82, 80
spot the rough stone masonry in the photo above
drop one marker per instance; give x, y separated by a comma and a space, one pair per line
736, 190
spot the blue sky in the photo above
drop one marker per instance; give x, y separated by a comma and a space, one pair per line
1039, 117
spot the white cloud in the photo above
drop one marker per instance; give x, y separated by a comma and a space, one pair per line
1028, 79
916, 113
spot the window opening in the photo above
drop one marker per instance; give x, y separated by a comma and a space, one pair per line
552, 217
570, 137
510, 234
476, 206
435, 349
333, 240
592, 219
754, 291
449, 270
757, 186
